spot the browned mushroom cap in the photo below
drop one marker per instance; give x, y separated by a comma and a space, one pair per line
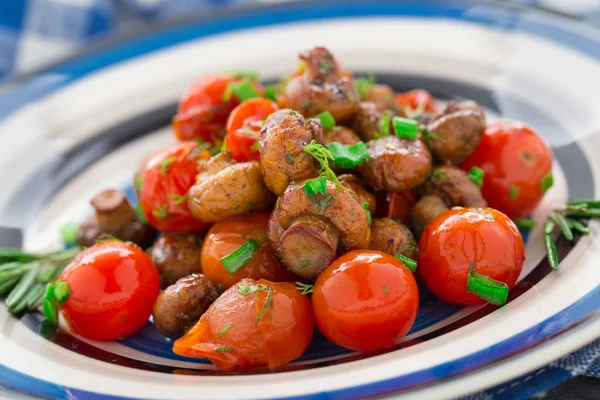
176, 256
308, 232
321, 88
396, 164
383, 96
454, 135
453, 185
181, 305
354, 183
453, 106
340, 134
392, 237
366, 120
282, 143
425, 211
114, 216
226, 189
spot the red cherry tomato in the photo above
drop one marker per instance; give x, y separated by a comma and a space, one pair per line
399, 205
417, 99
244, 125
203, 110
166, 179
113, 287
365, 300
252, 324
226, 236
515, 160
458, 237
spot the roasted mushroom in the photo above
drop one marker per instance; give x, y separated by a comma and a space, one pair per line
321, 88
425, 211
383, 96
181, 305
392, 237
368, 119
340, 134
453, 185
114, 216
176, 256
308, 232
354, 183
282, 143
455, 134
396, 164
226, 188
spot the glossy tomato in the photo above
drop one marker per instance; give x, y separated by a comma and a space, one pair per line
165, 181
244, 125
227, 236
396, 205
365, 300
416, 100
459, 237
252, 324
113, 287
517, 167
203, 110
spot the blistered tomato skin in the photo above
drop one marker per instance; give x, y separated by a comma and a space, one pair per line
113, 287
252, 324
226, 236
458, 237
515, 159
166, 179
365, 300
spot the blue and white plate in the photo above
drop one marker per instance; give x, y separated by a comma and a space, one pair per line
84, 125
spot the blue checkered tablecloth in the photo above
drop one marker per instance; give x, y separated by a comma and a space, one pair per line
37, 32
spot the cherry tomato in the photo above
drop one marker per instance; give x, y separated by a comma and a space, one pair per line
252, 324
203, 110
365, 300
515, 161
417, 99
113, 287
397, 205
226, 236
166, 179
459, 237
244, 125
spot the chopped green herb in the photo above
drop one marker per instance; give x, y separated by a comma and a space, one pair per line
323, 156
385, 289
242, 90
551, 251
326, 66
138, 183
50, 309
179, 199
405, 128
255, 146
289, 159
492, 291
383, 125
165, 164
363, 85
547, 182
68, 232
140, 214
161, 211
225, 329
410, 263
305, 288
327, 120
267, 304
304, 263
240, 257
252, 75
524, 223
348, 156
322, 204
61, 292
248, 290
563, 225
271, 93
223, 349
316, 186
590, 203
514, 191
476, 176
366, 207
578, 226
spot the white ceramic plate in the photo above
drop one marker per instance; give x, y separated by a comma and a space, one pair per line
83, 125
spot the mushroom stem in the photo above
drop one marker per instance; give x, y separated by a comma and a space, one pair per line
309, 245
113, 211
425, 211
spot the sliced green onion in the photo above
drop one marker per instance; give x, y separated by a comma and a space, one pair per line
316, 186
363, 85
304, 288
271, 93
224, 349
23, 286
551, 251
578, 226
240, 257
409, 262
268, 303
476, 176
524, 223
582, 213
140, 214
9, 284
405, 128
243, 90
68, 233
61, 292
49, 305
323, 156
590, 203
547, 182
32, 295
348, 156
225, 329
383, 125
36, 298
252, 75
327, 120
366, 207
492, 291
514, 191
563, 225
